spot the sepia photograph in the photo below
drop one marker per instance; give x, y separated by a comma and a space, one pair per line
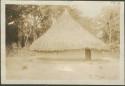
78, 42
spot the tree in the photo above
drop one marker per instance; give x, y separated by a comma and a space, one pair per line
109, 23
30, 22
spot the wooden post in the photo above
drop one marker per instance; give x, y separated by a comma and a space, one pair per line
88, 54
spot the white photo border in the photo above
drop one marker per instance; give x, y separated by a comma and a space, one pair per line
82, 82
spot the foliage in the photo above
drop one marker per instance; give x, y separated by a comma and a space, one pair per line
30, 21
109, 23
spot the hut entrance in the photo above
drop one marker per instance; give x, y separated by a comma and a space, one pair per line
88, 54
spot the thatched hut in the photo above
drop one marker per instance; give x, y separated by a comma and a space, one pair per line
67, 34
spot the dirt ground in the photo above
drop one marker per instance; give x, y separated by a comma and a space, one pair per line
31, 65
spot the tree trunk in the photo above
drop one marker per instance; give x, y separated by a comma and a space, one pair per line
88, 54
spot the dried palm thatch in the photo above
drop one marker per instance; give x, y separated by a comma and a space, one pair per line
66, 34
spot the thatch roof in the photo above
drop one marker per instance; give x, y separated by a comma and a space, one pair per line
66, 34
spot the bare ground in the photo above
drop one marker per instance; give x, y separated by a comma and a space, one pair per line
29, 65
